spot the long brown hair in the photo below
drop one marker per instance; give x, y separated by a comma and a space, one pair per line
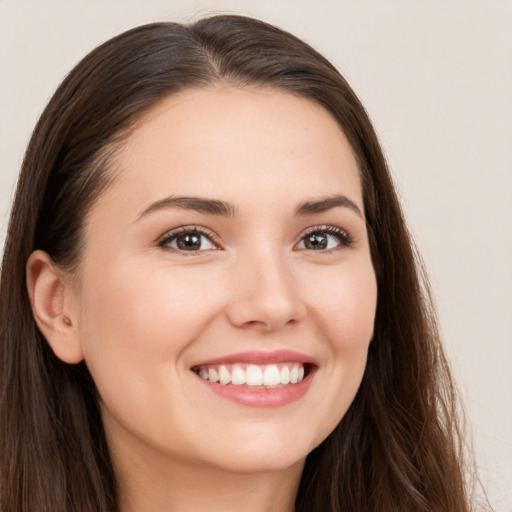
399, 445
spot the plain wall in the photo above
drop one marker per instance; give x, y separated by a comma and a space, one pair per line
436, 78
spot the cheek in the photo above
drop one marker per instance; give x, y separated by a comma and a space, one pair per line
139, 320
139, 306
345, 304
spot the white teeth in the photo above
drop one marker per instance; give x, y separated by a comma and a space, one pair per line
285, 375
254, 375
294, 374
224, 375
237, 376
271, 376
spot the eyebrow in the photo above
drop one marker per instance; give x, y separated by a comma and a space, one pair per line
222, 208
328, 203
198, 204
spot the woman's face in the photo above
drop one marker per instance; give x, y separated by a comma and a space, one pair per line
231, 245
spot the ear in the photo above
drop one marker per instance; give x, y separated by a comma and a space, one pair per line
53, 307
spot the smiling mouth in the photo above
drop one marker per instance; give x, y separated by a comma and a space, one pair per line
267, 376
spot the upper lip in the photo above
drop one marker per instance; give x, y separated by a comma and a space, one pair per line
260, 357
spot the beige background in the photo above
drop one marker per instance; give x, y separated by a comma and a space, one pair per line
435, 76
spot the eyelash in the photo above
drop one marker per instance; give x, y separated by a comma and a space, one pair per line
345, 240
343, 237
188, 230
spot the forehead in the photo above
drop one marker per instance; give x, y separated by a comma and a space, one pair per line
235, 143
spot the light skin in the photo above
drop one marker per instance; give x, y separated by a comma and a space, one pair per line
263, 187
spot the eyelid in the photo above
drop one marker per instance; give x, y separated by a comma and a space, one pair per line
188, 229
343, 235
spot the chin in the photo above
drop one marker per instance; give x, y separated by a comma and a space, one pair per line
261, 463
269, 455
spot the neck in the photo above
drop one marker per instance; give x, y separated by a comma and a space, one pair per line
162, 485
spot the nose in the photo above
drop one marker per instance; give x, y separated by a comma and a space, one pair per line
266, 295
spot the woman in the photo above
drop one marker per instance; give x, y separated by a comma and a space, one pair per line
209, 297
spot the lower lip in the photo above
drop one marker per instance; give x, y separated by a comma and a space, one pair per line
254, 397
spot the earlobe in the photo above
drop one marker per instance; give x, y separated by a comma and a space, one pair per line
53, 313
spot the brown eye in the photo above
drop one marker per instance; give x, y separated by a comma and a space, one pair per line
316, 241
188, 241
324, 238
